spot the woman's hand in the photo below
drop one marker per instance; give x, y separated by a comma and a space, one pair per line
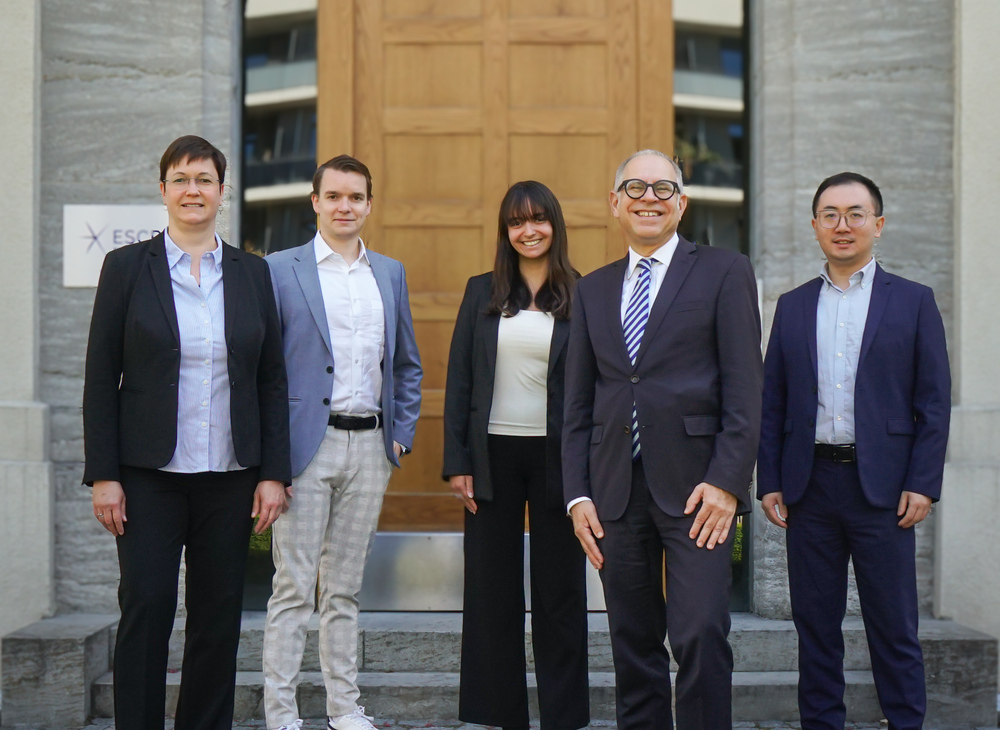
109, 506
461, 485
269, 503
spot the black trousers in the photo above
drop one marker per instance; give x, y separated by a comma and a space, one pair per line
831, 525
209, 513
695, 617
493, 683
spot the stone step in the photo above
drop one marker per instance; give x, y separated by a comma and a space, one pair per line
431, 642
426, 696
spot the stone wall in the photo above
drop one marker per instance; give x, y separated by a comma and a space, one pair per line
121, 81
867, 87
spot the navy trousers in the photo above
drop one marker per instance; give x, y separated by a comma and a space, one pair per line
832, 524
695, 617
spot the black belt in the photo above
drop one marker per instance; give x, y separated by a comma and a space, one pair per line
353, 423
840, 454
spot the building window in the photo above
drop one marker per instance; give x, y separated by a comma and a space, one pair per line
279, 147
711, 149
713, 224
277, 226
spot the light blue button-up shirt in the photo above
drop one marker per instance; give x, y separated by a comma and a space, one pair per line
204, 426
840, 324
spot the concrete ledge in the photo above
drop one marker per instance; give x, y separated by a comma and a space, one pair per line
49, 667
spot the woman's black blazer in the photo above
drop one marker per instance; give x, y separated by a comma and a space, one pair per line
469, 395
133, 365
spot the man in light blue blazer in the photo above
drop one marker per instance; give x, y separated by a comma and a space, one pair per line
353, 395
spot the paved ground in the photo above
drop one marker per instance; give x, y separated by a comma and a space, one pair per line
403, 725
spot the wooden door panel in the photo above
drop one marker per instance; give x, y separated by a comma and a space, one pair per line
449, 102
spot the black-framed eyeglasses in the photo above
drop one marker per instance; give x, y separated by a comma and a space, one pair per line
856, 217
662, 189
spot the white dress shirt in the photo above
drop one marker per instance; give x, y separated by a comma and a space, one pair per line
520, 383
356, 318
204, 423
840, 325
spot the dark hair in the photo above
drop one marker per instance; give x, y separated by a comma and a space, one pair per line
849, 178
192, 147
509, 293
343, 163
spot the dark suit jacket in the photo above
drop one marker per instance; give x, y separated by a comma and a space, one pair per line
696, 384
469, 394
133, 365
902, 395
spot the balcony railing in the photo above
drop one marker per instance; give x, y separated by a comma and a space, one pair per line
281, 76
277, 172
699, 83
718, 174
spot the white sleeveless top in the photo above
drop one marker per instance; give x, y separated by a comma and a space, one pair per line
520, 384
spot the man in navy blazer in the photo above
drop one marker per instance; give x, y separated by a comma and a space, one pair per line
353, 397
857, 401
659, 446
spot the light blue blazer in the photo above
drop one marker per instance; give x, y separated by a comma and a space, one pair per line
309, 357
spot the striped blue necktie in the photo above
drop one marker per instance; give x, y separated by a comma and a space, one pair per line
636, 315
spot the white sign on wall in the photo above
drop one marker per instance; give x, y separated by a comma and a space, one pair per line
91, 231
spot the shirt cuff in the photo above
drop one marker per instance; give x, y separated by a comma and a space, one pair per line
577, 501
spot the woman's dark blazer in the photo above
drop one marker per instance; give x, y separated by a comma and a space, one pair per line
469, 395
133, 365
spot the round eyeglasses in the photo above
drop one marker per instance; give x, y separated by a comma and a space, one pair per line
662, 189
203, 182
831, 218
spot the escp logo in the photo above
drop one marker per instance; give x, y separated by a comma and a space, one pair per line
116, 238
90, 232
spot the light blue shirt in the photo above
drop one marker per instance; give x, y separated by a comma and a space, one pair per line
840, 324
204, 426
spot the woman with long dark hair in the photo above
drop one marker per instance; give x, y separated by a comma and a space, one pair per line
503, 421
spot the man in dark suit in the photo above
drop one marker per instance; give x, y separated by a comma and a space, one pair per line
855, 423
663, 382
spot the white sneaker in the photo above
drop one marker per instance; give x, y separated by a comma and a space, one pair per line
357, 720
297, 725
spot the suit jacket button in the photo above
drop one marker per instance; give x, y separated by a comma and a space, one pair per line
634, 378
627, 429
326, 401
329, 368
812, 422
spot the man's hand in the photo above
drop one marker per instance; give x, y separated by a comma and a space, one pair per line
397, 449
461, 486
913, 508
775, 509
269, 503
109, 506
587, 527
711, 524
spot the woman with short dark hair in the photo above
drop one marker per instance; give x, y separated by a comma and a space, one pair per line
185, 417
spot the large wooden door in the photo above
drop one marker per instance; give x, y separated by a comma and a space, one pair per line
449, 102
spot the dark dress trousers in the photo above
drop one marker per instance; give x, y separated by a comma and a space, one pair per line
508, 471
696, 388
847, 511
130, 432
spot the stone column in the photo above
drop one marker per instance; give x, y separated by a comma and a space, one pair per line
867, 88
26, 492
967, 577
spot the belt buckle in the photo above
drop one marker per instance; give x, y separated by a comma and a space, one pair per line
844, 455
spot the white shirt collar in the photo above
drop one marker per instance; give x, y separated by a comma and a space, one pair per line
175, 254
663, 254
323, 251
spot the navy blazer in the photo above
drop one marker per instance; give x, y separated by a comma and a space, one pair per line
696, 384
134, 357
902, 396
468, 396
